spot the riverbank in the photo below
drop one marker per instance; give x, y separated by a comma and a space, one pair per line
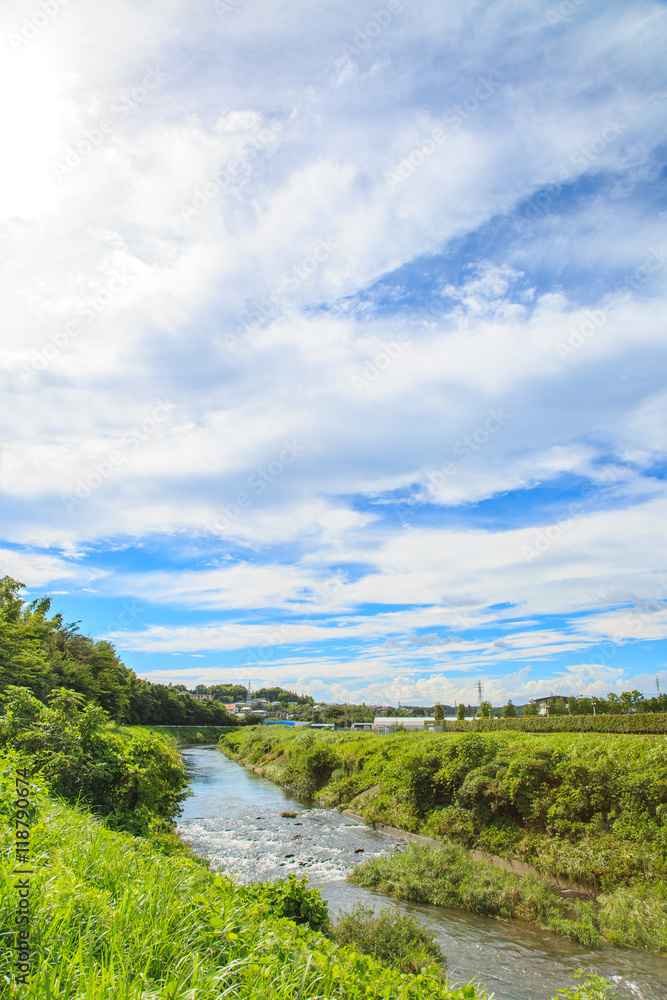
585, 810
182, 736
111, 917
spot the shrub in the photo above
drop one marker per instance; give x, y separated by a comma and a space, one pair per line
293, 899
393, 938
137, 782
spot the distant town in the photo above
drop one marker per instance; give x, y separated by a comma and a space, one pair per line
277, 705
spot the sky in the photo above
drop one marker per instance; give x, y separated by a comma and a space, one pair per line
333, 340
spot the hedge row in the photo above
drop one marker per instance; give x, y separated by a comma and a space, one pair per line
652, 722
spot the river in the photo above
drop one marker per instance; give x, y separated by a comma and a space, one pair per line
233, 818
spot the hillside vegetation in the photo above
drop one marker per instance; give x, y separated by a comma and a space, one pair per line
41, 652
587, 808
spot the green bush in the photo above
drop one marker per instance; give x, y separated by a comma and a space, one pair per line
293, 899
450, 877
137, 782
113, 919
393, 938
648, 722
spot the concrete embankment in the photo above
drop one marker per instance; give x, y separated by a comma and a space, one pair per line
516, 867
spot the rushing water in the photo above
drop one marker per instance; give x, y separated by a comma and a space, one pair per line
233, 817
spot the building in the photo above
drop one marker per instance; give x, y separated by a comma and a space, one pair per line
389, 724
202, 697
543, 704
411, 725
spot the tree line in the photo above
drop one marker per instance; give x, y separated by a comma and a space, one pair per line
43, 653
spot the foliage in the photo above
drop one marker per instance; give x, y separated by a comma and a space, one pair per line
594, 988
138, 782
292, 898
638, 723
509, 711
113, 919
44, 654
587, 808
461, 712
450, 877
393, 938
438, 713
181, 735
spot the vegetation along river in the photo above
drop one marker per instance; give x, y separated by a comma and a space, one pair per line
233, 818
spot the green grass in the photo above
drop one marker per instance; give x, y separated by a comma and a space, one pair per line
395, 939
181, 735
449, 877
587, 808
114, 919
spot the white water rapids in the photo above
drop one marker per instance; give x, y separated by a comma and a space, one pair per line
233, 818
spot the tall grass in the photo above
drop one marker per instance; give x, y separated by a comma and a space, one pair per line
449, 877
114, 919
588, 808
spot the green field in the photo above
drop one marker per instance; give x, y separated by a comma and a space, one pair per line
587, 808
182, 735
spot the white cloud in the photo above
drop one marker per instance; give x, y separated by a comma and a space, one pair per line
220, 297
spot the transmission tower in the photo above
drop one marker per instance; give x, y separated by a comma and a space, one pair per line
480, 692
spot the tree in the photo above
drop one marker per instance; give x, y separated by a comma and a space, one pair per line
438, 713
486, 709
509, 711
530, 710
632, 701
461, 712
573, 705
558, 707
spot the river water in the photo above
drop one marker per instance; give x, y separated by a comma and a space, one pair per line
233, 818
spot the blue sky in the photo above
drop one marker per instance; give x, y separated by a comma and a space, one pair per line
334, 340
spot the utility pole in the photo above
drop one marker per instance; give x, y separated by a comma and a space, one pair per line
480, 692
